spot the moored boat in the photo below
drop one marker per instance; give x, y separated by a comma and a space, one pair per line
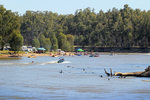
32, 56
91, 56
96, 55
54, 56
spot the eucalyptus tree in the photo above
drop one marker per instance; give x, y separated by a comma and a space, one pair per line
16, 40
70, 39
55, 44
42, 40
9, 22
116, 28
36, 43
47, 45
62, 41
54, 41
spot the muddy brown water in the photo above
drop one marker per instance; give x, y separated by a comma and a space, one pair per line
77, 78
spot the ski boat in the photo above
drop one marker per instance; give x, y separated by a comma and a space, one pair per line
61, 59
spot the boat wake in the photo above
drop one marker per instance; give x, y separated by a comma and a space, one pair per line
66, 62
55, 62
31, 63
49, 62
148, 54
10, 64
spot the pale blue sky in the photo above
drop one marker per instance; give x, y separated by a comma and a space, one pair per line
70, 6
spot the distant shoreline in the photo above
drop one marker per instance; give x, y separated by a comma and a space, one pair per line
67, 54
116, 49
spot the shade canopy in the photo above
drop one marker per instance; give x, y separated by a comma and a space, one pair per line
41, 49
80, 50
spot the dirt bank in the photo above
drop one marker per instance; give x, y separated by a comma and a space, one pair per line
35, 54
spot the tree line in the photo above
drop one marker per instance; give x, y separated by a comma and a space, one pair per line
10, 29
125, 27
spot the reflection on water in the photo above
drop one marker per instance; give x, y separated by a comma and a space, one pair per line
77, 78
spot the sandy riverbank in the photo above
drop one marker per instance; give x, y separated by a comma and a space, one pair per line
47, 54
34, 54
66, 54
23, 55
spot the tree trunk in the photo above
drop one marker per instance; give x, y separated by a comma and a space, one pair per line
2, 46
128, 73
145, 73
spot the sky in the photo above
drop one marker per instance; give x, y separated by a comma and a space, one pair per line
70, 6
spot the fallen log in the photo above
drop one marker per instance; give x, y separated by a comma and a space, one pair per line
146, 80
108, 74
145, 73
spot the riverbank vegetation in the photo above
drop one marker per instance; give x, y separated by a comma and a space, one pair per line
124, 27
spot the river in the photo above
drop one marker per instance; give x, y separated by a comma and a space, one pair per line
77, 78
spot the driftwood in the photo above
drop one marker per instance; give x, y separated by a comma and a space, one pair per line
145, 73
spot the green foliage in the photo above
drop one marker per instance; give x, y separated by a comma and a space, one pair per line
68, 46
9, 22
55, 44
36, 43
70, 42
124, 27
54, 41
42, 40
16, 41
47, 44
0, 40
62, 41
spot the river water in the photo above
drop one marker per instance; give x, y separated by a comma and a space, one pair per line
77, 78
